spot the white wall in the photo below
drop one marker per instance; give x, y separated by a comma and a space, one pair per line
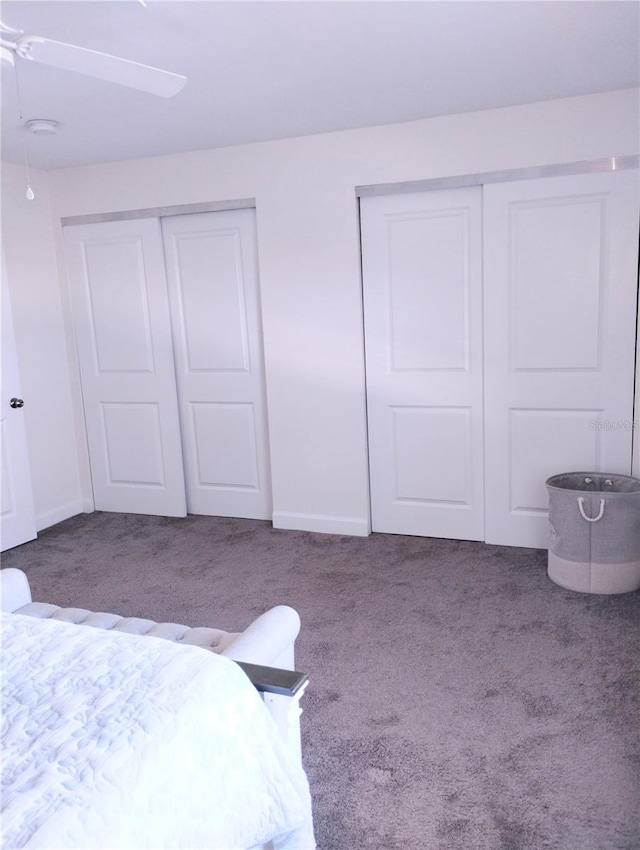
309, 258
29, 248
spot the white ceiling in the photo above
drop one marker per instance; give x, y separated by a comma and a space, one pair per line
268, 70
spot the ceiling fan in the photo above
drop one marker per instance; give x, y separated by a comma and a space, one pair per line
91, 63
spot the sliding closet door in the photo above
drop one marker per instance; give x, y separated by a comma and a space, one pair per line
423, 337
213, 286
121, 315
560, 272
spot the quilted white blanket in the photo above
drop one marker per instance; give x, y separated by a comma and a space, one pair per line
118, 741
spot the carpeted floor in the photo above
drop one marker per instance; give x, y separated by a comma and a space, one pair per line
459, 700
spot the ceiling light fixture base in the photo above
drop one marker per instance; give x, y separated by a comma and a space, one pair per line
42, 126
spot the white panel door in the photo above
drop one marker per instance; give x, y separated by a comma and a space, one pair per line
18, 523
121, 315
422, 267
560, 280
215, 308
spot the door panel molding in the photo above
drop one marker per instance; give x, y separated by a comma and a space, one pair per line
212, 272
564, 278
123, 336
423, 340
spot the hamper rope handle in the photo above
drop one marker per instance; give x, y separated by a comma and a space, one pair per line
588, 518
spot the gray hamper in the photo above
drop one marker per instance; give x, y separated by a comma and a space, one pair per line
594, 520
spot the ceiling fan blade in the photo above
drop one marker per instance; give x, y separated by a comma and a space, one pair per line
112, 69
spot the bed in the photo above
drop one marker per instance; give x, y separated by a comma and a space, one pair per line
117, 740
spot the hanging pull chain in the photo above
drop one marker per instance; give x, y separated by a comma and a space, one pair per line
30, 195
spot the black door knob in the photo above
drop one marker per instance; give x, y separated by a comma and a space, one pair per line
16, 402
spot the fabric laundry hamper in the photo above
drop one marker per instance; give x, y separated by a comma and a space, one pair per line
594, 520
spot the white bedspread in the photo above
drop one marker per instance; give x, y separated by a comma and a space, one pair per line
117, 741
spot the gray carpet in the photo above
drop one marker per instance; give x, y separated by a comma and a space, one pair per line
459, 700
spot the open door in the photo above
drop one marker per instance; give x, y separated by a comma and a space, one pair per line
17, 514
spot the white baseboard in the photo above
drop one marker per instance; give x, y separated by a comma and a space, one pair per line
65, 512
322, 524
291, 521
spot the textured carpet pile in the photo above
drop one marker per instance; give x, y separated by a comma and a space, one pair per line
459, 700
